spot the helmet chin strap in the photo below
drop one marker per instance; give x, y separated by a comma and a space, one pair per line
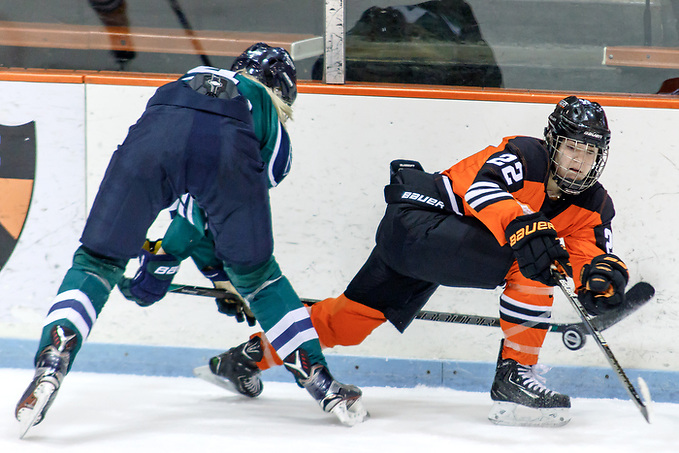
553, 190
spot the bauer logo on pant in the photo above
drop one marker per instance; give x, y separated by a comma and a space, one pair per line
422, 199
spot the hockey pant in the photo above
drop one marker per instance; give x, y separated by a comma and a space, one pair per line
378, 293
415, 247
525, 309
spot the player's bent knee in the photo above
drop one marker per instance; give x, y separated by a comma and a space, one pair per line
341, 321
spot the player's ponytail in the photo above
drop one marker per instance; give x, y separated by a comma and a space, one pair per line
282, 108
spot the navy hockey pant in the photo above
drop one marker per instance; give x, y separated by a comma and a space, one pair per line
174, 150
417, 250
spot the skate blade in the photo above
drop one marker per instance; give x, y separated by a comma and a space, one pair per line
350, 413
204, 373
512, 414
30, 417
646, 398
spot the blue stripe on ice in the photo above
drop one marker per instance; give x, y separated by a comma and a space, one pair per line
579, 382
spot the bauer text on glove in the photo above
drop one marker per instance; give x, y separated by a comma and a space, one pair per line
153, 278
536, 247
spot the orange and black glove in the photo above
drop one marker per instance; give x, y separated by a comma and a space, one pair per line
603, 284
536, 247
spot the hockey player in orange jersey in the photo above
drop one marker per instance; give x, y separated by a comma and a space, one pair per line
497, 218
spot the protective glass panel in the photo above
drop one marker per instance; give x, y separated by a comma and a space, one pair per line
616, 46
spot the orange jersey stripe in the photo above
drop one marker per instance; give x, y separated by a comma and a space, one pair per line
493, 186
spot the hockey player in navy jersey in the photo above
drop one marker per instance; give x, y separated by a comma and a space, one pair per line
494, 219
219, 136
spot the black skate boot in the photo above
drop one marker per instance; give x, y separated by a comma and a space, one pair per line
236, 369
50, 369
522, 399
342, 400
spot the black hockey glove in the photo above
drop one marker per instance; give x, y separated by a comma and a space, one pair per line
603, 284
536, 247
153, 278
232, 305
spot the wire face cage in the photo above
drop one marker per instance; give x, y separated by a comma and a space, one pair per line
576, 165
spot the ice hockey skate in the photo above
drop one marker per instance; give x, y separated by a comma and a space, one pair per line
521, 398
236, 369
342, 400
50, 369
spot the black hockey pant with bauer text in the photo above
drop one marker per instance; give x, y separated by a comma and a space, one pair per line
417, 250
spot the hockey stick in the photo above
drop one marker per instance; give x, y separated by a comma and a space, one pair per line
573, 334
588, 320
189, 31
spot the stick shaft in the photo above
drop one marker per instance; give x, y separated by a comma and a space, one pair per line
599, 339
426, 315
189, 31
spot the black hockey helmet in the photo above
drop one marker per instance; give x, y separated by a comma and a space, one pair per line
272, 66
580, 121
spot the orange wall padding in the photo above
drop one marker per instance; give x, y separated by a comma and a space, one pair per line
357, 89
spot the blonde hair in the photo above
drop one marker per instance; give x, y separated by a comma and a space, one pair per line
284, 110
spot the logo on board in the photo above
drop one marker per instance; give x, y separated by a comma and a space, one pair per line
17, 173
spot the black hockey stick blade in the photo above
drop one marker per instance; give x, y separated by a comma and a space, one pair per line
574, 334
599, 339
636, 297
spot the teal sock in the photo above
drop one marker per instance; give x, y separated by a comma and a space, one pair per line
278, 309
81, 296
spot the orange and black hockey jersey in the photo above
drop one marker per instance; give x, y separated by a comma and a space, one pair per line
502, 182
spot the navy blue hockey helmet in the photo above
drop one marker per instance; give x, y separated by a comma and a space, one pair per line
272, 66
580, 121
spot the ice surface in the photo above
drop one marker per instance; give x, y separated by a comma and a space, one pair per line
123, 413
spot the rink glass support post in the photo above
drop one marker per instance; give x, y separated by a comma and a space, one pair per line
334, 41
